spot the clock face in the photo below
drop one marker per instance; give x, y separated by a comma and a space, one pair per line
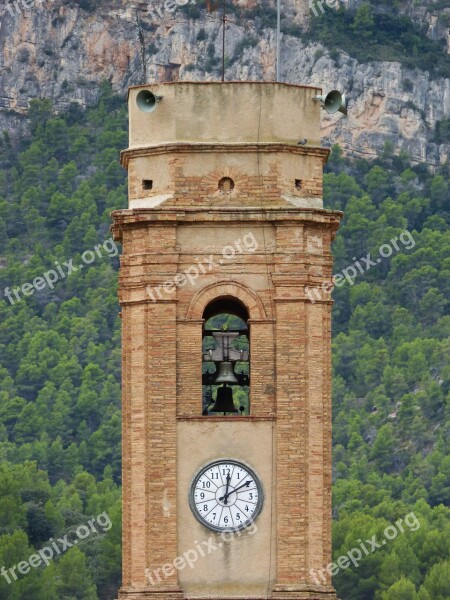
226, 495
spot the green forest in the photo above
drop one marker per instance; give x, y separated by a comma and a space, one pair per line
60, 362
382, 30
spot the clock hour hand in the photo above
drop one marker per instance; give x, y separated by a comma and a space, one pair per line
225, 498
226, 490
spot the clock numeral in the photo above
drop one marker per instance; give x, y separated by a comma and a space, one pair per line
225, 519
238, 516
214, 515
246, 507
215, 476
205, 507
206, 484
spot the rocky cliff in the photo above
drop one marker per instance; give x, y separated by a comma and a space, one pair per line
57, 49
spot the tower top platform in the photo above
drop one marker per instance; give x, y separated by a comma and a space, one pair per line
232, 113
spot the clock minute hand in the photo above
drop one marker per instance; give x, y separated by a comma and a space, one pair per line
246, 483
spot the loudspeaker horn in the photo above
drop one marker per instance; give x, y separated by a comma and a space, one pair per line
147, 101
333, 102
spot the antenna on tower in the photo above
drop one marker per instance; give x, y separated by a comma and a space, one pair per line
211, 7
278, 38
224, 22
141, 40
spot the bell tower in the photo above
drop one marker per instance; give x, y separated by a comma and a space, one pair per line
226, 356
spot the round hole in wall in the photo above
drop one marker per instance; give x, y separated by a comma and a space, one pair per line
226, 184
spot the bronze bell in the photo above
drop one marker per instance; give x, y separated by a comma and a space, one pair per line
224, 401
226, 373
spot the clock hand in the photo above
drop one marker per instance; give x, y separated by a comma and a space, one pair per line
246, 483
226, 490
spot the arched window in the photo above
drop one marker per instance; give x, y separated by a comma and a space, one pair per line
225, 364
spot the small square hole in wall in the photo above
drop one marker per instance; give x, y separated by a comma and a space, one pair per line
147, 184
298, 184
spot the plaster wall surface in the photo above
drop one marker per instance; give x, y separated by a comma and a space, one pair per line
233, 113
241, 566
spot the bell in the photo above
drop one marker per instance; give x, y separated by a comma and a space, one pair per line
226, 373
224, 401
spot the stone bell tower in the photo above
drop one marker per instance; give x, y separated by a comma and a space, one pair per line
226, 444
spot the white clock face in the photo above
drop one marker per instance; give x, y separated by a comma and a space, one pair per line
226, 495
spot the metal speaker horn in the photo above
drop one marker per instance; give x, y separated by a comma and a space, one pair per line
333, 102
224, 401
147, 101
226, 373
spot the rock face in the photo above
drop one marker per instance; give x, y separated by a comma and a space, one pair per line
380, 108
57, 50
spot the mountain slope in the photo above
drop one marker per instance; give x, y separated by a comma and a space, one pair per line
63, 49
60, 361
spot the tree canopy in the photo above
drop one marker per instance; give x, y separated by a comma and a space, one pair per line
60, 361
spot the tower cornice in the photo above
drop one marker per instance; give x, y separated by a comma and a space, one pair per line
135, 216
198, 148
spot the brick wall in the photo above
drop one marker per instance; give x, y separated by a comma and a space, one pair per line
289, 337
